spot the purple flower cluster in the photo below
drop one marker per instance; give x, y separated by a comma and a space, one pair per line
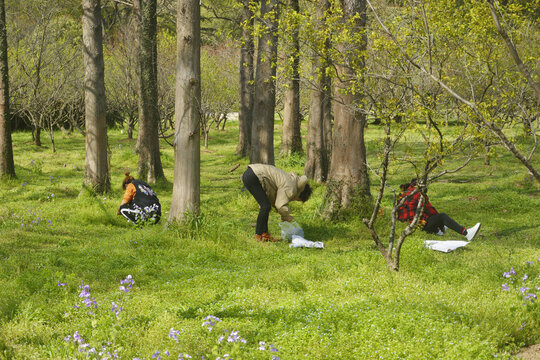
173, 334
271, 348
115, 309
85, 348
85, 295
211, 321
232, 338
524, 290
127, 283
31, 218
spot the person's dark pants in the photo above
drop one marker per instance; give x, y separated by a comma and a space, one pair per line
438, 221
252, 183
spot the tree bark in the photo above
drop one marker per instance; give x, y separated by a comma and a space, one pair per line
245, 112
186, 188
96, 168
348, 181
262, 132
150, 167
291, 139
7, 165
319, 133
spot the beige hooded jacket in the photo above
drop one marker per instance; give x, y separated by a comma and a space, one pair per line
280, 187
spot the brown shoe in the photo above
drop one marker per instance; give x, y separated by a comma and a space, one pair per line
266, 237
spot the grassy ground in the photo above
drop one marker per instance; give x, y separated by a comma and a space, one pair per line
337, 303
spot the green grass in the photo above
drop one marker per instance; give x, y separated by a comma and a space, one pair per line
336, 303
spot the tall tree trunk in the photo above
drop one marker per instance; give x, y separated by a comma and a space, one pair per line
262, 132
96, 167
245, 112
291, 139
319, 134
187, 153
7, 166
150, 168
348, 181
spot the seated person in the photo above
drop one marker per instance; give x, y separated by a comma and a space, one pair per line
432, 221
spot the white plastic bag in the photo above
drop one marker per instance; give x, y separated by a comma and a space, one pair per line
288, 229
299, 241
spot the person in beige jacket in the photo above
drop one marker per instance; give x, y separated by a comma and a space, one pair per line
271, 186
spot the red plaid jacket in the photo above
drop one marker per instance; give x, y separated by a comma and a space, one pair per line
407, 210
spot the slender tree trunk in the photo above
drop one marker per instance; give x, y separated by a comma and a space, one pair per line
513, 52
262, 132
291, 139
186, 188
150, 168
348, 181
7, 166
247, 51
96, 168
319, 134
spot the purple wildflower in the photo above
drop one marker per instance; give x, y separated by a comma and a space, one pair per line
275, 357
523, 289
272, 348
505, 287
116, 309
211, 321
525, 277
166, 352
68, 338
183, 356
261, 345
156, 355
173, 334
77, 337
61, 283
128, 282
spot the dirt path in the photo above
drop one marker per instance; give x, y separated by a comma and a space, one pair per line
530, 353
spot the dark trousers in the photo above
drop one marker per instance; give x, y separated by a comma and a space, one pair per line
252, 183
438, 221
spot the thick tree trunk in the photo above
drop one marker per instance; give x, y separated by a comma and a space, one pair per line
96, 168
186, 188
150, 168
348, 181
319, 134
7, 166
245, 112
262, 132
291, 139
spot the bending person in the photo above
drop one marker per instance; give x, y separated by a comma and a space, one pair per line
140, 203
433, 221
271, 186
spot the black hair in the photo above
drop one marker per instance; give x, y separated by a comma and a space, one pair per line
405, 186
305, 194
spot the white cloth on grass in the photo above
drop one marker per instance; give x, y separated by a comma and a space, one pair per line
445, 245
299, 241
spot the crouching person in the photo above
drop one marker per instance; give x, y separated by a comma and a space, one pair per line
271, 186
140, 204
